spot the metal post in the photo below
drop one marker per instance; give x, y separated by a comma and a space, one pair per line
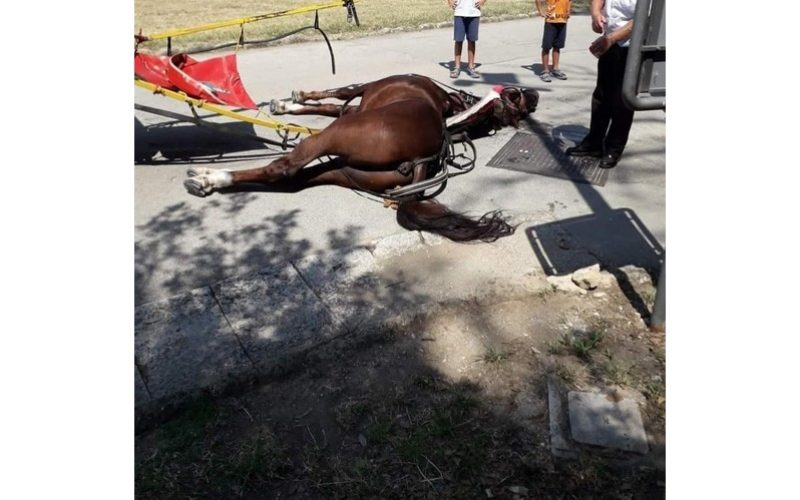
647, 45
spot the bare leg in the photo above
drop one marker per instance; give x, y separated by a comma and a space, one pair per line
546, 60
556, 56
471, 54
457, 55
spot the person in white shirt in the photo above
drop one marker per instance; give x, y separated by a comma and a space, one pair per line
466, 19
611, 119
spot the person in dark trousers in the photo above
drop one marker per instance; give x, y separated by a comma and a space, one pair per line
611, 119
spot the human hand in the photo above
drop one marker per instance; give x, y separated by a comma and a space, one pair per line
452, 3
600, 46
479, 3
598, 22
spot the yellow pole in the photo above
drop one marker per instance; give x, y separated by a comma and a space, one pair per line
181, 96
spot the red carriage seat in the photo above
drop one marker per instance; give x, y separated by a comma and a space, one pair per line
215, 80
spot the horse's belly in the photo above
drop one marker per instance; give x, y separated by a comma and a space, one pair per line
391, 135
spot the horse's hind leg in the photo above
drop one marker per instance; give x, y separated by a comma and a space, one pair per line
346, 177
326, 173
203, 181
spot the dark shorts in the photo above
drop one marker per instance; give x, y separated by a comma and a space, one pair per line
555, 34
466, 26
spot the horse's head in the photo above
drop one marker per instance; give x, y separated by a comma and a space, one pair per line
501, 107
515, 104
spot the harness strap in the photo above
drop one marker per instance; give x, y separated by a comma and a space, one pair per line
443, 155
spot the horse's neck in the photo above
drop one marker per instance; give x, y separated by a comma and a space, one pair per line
471, 113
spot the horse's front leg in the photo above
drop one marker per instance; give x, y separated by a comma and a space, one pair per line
277, 107
342, 93
203, 181
298, 104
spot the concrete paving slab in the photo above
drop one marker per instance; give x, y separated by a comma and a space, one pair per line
596, 418
274, 312
559, 443
184, 344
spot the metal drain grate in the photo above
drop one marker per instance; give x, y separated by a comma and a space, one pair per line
540, 154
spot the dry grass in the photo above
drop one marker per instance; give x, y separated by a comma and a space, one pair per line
376, 16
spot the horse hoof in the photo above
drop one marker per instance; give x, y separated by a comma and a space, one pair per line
198, 171
277, 107
297, 96
197, 186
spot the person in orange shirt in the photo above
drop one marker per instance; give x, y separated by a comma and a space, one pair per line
554, 37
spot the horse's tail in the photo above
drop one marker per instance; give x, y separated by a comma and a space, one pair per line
436, 218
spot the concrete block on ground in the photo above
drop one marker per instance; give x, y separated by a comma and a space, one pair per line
559, 444
184, 344
273, 313
600, 419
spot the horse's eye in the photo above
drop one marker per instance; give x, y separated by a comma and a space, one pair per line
513, 94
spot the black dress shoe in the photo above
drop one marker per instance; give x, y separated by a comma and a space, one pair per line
585, 150
608, 161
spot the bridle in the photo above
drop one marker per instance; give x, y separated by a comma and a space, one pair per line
510, 109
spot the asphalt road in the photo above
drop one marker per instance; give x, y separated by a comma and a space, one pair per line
184, 242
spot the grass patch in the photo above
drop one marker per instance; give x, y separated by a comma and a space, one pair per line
547, 291
494, 356
450, 439
654, 391
375, 16
350, 413
616, 374
580, 343
190, 454
378, 432
660, 354
189, 427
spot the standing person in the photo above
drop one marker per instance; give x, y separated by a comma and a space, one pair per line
554, 37
466, 18
611, 118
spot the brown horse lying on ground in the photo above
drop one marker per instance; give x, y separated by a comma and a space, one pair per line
396, 136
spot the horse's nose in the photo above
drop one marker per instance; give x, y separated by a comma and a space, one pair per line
532, 97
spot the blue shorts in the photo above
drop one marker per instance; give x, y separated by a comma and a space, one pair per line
554, 36
466, 26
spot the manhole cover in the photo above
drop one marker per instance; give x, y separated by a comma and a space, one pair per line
540, 154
